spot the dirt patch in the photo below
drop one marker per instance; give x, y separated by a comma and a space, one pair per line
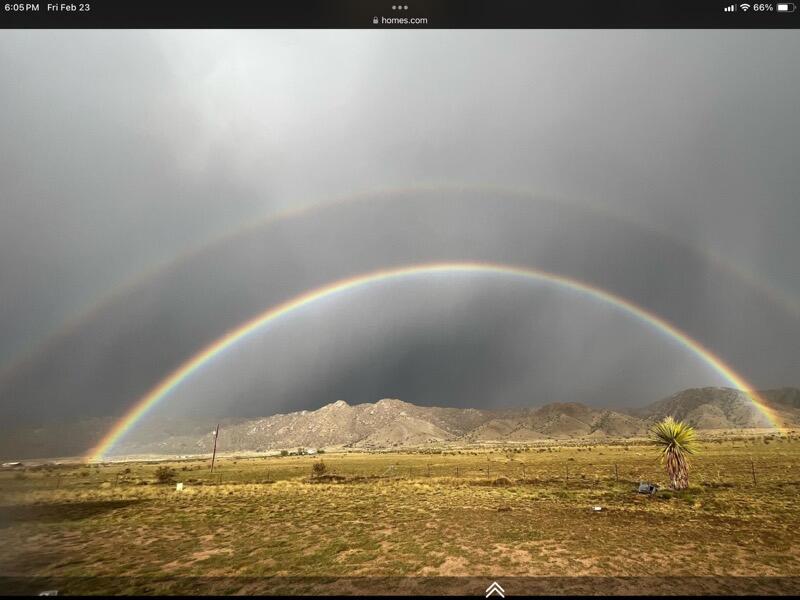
452, 566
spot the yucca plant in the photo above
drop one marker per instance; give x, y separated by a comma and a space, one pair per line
677, 441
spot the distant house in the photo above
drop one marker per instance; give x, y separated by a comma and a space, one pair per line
9, 465
301, 451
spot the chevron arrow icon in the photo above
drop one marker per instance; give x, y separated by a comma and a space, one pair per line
495, 588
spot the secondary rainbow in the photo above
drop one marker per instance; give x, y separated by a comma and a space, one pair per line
196, 362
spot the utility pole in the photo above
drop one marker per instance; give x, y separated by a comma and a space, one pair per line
215, 433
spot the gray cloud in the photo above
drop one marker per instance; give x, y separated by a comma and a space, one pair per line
121, 150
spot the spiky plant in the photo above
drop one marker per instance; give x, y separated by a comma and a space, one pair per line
677, 441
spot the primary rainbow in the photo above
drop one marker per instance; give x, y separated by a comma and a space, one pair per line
192, 365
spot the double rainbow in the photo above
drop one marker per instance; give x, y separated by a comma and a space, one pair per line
232, 337
121, 289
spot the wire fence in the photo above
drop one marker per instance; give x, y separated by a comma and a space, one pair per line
758, 464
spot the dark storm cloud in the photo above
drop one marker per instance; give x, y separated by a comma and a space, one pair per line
121, 150
468, 340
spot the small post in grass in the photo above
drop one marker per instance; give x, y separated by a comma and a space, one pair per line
616, 473
215, 433
753, 471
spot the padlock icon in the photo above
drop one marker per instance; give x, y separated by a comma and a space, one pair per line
374, 20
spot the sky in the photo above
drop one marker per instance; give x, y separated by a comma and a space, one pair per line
143, 175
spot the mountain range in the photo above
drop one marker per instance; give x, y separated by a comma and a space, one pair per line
393, 423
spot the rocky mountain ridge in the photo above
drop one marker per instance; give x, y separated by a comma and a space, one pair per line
393, 423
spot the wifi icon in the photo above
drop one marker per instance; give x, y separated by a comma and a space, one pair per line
744, 7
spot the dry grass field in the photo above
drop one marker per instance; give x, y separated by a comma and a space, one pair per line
447, 522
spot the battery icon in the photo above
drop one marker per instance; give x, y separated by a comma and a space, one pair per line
785, 7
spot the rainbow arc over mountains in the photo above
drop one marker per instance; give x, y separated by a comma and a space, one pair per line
236, 335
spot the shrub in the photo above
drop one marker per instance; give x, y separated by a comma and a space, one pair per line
165, 474
501, 481
318, 468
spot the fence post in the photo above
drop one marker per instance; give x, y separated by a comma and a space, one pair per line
753, 471
616, 473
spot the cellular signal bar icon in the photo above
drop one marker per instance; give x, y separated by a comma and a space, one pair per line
729, 8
